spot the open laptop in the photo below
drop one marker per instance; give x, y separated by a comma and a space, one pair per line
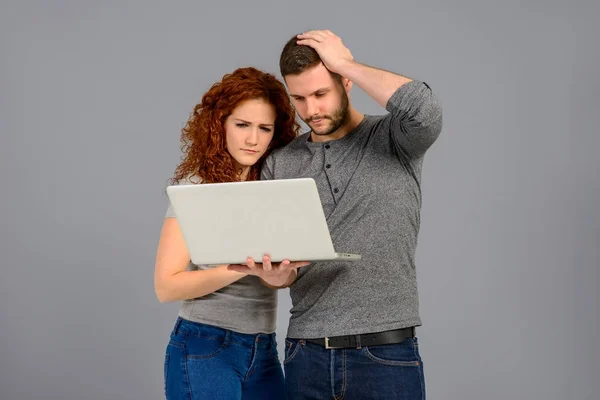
224, 223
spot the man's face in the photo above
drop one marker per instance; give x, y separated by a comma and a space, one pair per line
320, 100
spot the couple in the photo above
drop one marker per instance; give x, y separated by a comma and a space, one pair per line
352, 328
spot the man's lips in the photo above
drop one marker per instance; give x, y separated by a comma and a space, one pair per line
317, 120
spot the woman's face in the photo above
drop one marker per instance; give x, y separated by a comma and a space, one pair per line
248, 132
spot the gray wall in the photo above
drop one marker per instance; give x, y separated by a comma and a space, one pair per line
93, 96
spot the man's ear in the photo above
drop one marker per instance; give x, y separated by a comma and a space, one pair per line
347, 84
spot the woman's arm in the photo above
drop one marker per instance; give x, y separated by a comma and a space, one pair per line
171, 280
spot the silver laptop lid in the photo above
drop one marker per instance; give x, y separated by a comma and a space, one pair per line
224, 223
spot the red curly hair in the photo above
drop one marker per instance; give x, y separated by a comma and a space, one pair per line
203, 140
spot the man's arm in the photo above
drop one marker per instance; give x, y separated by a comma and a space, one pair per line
377, 83
415, 114
415, 119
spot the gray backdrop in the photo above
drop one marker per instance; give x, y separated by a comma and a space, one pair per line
94, 95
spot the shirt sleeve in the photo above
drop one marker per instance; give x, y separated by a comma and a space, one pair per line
185, 181
266, 172
415, 118
170, 213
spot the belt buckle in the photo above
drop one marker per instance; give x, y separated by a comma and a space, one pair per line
327, 346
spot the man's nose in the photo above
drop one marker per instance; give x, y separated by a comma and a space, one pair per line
311, 107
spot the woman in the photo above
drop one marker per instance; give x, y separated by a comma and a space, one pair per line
223, 343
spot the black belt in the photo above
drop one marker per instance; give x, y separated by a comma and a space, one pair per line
366, 339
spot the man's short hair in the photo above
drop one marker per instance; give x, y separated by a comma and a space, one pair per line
296, 59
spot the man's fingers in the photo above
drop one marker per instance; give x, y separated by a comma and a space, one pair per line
322, 33
308, 42
317, 36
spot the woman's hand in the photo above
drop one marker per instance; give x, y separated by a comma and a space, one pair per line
274, 274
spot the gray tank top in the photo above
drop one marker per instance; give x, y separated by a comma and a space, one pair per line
245, 306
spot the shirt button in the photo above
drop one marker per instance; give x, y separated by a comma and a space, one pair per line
326, 146
335, 190
328, 166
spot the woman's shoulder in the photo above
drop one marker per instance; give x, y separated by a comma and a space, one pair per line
190, 180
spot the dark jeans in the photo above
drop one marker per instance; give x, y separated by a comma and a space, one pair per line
392, 371
207, 362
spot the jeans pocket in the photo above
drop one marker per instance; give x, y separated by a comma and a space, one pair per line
204, 347
179, 344
400, 354
291, 349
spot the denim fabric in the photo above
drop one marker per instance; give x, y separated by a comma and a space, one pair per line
207, 362
393, 371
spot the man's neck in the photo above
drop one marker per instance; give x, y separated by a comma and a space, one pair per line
353, 121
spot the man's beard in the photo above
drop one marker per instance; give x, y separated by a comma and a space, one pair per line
339, 118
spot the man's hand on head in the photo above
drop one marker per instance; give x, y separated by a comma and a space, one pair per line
334, 54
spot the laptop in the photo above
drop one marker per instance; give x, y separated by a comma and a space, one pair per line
225, 223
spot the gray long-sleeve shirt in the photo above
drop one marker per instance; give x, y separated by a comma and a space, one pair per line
369, 185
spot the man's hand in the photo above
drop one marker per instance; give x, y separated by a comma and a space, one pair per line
274, 274
330, 48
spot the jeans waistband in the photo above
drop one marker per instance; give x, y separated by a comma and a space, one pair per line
191, 328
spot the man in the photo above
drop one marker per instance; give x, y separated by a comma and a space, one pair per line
352, 327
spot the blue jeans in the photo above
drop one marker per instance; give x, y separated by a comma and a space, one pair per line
392, 371
207, 362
